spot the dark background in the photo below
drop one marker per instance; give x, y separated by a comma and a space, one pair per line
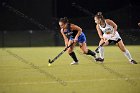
35, 22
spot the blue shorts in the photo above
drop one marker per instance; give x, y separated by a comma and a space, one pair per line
81, 38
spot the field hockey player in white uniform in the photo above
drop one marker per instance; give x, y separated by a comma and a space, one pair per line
110, 34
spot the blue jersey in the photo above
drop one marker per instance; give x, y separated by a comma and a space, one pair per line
72, 34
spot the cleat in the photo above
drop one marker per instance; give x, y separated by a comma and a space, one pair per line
100, 59
133, 62
74, 63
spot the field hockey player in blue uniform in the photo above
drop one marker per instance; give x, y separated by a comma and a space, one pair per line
73, 34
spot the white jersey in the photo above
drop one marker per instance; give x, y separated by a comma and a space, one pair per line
108, 31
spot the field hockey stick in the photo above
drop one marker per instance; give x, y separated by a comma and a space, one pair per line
97, 49
51, 61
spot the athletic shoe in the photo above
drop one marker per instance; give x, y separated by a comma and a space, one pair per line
133, 62
74, 63
100, 59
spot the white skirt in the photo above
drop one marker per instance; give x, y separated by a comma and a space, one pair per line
109, 36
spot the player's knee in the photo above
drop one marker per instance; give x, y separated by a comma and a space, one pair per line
85, 51
70, 50
123, 50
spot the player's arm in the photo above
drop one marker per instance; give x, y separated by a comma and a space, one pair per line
99, 32
114, 25
65, 38
75, 27
110, 22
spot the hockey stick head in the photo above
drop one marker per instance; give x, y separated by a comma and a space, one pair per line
50, 61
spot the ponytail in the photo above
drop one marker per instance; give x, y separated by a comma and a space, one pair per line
99, 16
64, 20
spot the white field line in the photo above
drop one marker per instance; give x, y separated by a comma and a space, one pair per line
72, 81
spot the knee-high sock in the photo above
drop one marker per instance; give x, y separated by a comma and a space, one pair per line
128, 55
72, 54
91, 53
101, 52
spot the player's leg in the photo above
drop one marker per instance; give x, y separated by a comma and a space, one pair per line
101, 50
121, 45
72, 53
83, 46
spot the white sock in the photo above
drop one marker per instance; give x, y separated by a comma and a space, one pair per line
128, 55
101, 52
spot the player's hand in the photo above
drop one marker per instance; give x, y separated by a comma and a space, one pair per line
113, 35
75, 39
104, 39
66, 46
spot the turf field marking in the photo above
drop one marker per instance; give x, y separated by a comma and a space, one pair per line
116, 73
73, 81
32, 65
